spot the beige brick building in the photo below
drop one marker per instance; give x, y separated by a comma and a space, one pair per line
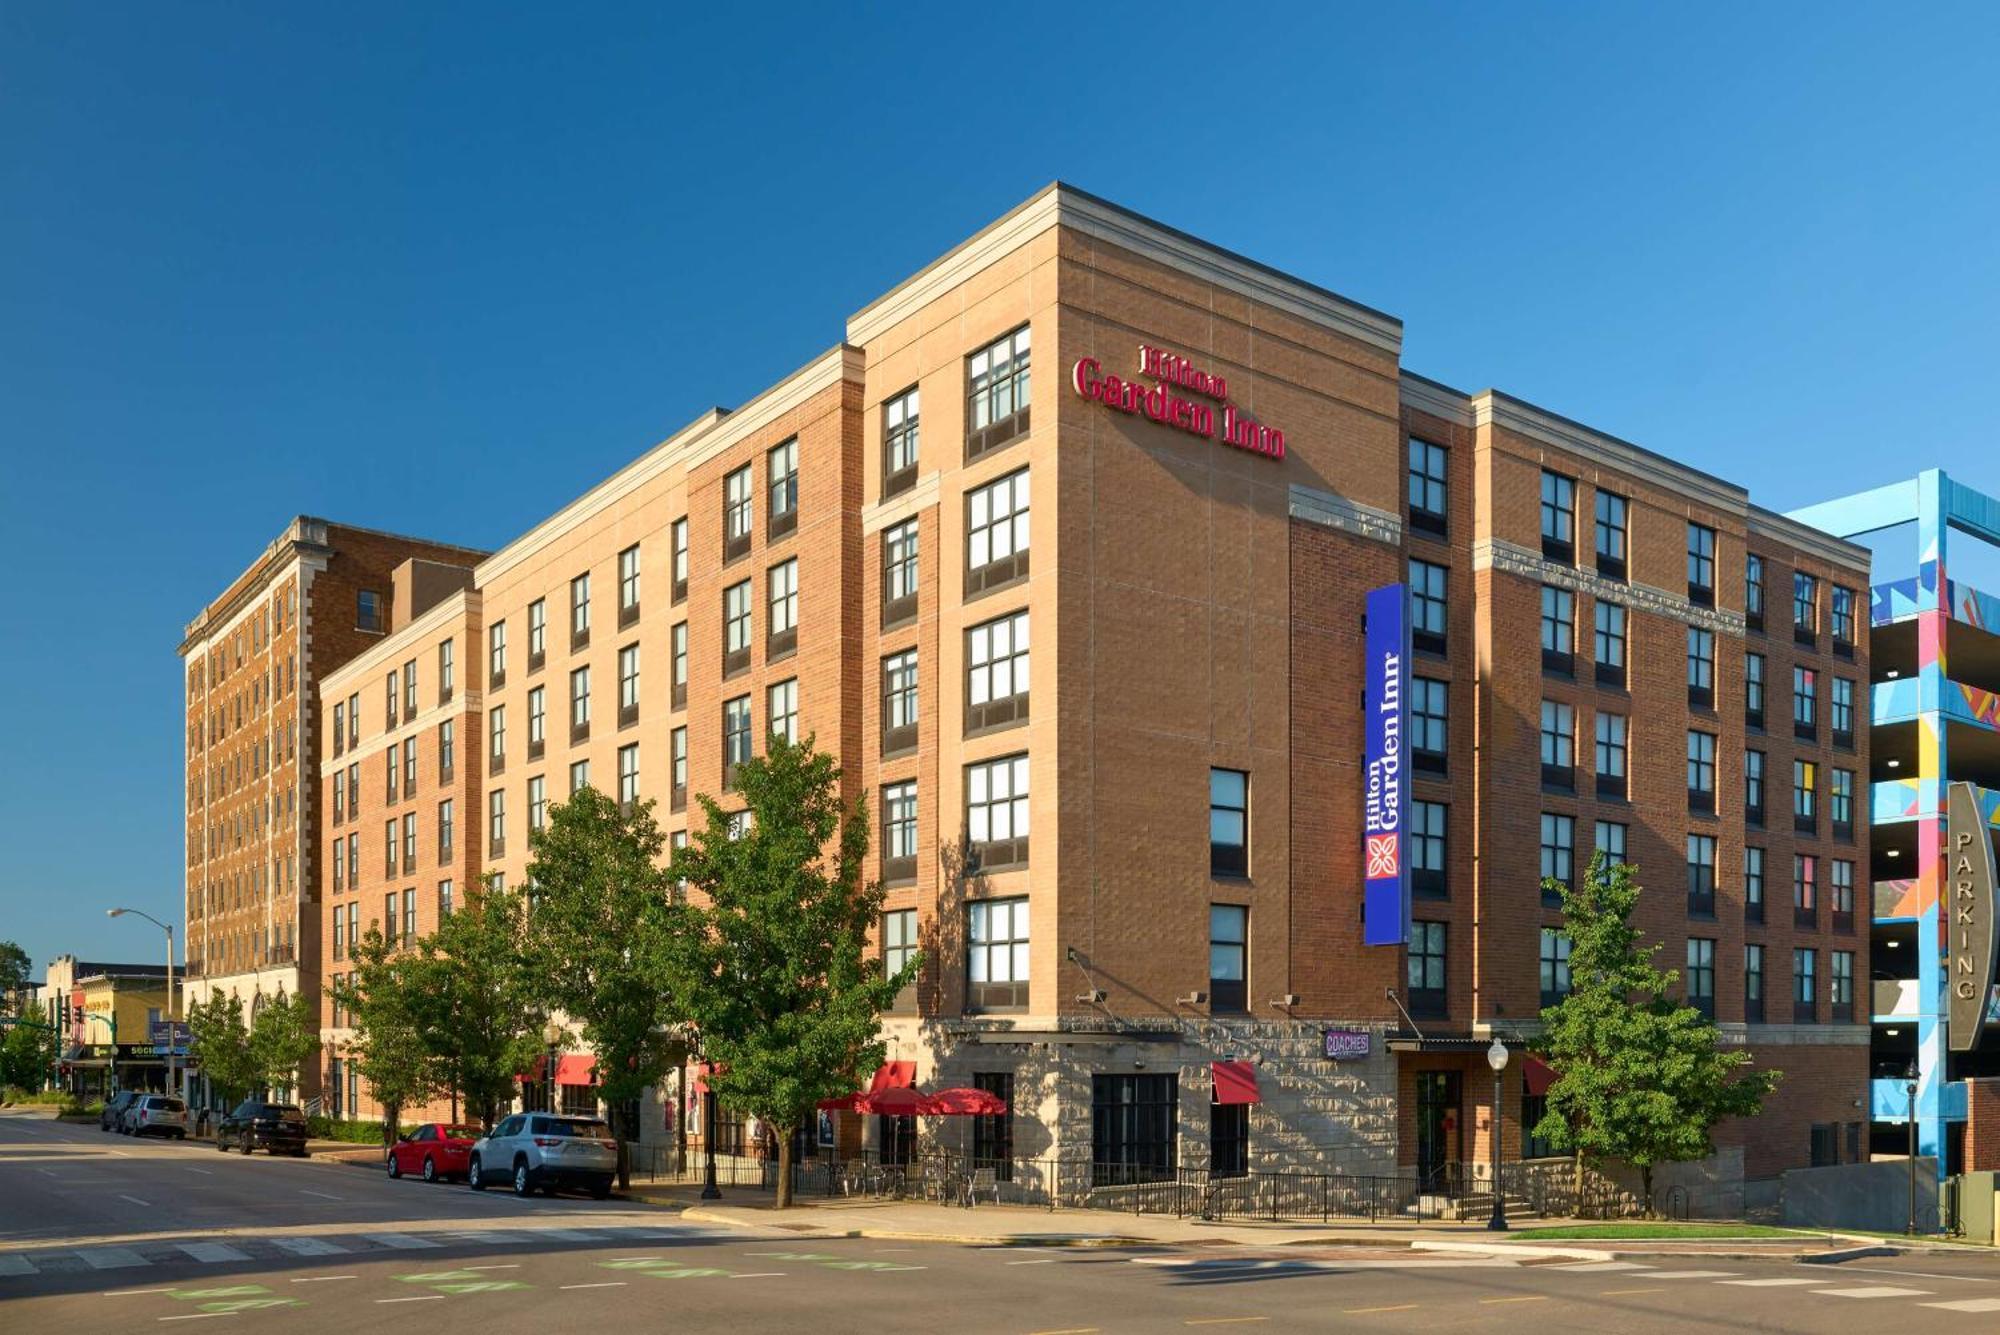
1063, 550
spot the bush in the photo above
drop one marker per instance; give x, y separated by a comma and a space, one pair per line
14, 1094
353, 1132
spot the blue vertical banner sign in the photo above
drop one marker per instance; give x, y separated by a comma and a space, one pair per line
1385, 902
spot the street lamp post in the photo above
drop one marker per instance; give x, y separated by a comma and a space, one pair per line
1496, 1057
173, 1050
1910, 1090
709, 1191
553, 1034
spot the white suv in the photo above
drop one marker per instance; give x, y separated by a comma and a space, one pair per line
546, 1151
155, 1115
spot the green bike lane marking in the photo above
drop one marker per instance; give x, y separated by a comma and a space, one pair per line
233, 1298
461, 1281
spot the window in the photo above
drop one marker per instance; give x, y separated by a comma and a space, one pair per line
1427, 494
1701, 771
1840, 888
996, 533
1558, 854
496, 654
1611, 535
1425, 976
1753, 591
538, 803
1843, 621
1228, 957
997, 394
496, 729
1805, 809
339, 937
782, 705
1805, 608
579, 611
680, 541
1753, 691
735, 737
899, 574
353, 723
996, 686
1132, 1128
409, 690
1701, 875
628, 775
1840, 803
628, 586
1558, 745
1228, 822
899, 443
1701, 667
782, 627
1700, 976
339, 729
997, 954
1427, 606
1753, 983
538, 634
899, 832
1753, 885
410, 914
389, 705
579, 704
1805, 890
1610, 644
1558, 517
1805, 704
899, 703
446, 827
1228, 1139
1804, 1010
1558, 630
1610, 755
409, 767
678, 757
1843, 713
1428, 841
1428, 717
996, 812
1610, 839
628, 685
389, 846
367, 613
446, 671
781, 472
736, 628
1753, 788
1840, 985
537, 723
1701, 565
736, 514
339, 795
899, 947
445, 902
353, 861
1555, 965
679, 648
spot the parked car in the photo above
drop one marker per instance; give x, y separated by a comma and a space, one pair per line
277, 1127
156, 1115
114, 1110
546, 1151
434, 1150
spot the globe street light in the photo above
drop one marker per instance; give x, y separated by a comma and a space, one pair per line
1496, 1057
173, 1050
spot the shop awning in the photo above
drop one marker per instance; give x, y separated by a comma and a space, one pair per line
1536, 1077
1236, 1082
537, 1072
893, 1075
576, 1069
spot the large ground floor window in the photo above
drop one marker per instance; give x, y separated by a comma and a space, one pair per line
1132, 1128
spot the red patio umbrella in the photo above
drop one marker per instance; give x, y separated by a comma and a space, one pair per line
896, 1101
963, 1103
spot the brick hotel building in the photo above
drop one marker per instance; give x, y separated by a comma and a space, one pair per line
1064, 550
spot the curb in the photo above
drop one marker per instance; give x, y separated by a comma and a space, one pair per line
697, 1215
1528, 1250
1849, 1254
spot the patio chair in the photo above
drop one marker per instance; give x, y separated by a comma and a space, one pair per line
984, 1181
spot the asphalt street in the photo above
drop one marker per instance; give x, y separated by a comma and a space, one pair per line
99, 1230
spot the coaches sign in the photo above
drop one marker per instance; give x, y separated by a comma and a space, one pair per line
1969, 905
1385, 901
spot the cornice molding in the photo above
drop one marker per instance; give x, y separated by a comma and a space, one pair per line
1492, 408
1812, 541
1511, 559
885, 514
1442, 401
1313, 506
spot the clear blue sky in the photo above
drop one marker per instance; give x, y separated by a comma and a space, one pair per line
437, 268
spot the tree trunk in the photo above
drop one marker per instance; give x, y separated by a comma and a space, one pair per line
784, 1134
1577, 1187
454, 1103
680, 1119
621, 1117
1646, 1188
390, 1113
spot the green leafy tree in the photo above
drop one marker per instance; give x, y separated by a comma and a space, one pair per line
1639, 1075
16, 971
601, 923
778, 977
476, 1002
384, 999
27, 1055
283, 1037
220, 1041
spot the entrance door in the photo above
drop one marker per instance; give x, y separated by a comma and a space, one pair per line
1437, 1129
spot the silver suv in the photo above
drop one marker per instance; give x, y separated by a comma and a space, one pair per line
155, 1115
546, 1151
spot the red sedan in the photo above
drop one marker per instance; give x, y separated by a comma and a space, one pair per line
432, 1151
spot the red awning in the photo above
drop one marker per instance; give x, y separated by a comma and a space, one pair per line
537, 1072
702, 1070
964, 1103
1236, 1082
575, 1069
893, 1075
845, 1103
1537, 1077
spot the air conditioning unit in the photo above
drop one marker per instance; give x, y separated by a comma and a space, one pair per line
1192, 999
1288, 1000
1094, 997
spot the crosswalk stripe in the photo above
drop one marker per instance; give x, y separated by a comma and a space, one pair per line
212, 1252
1694, 1274
110, 1258
17, 1265
569, 1234
1967, 1305
1768, 1283
399, 1241
1599, 1267
309, 1246
1875, 1291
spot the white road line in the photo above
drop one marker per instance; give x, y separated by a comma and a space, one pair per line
1767, 1283
1046, 1260
420, 1298
209, 1253
321, 1279
132, 1293
510, 1265
605, 1284
1925, 1274
1967, 1305
1599, 1267
110, 1258
196, 1316
1874, 1291
309, 1246
1693, 1274
203, 1171
399, 1241
762, 1274
307, 1191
